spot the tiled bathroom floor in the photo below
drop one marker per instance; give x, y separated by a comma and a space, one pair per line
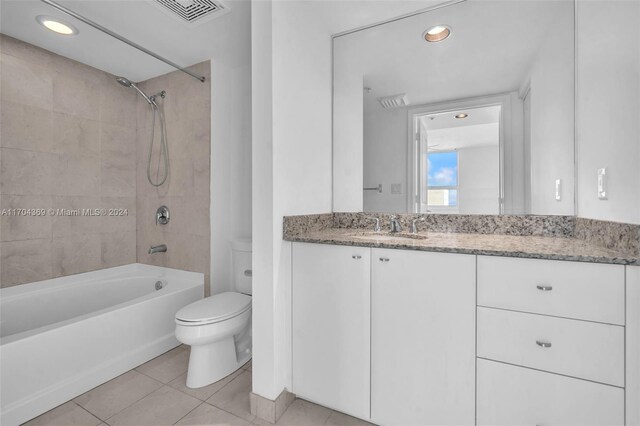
155, 394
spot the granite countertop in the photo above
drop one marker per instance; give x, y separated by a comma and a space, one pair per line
534, 247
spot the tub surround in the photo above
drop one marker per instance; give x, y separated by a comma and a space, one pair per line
536, 237
187, 109
67, 141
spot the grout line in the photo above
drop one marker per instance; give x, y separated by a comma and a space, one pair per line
93, 415
195, 408
135, 402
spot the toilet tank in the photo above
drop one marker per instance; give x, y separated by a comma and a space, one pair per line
241, 255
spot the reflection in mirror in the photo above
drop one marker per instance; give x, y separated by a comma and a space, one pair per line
480, 122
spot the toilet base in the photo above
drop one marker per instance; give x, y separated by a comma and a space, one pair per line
213, 362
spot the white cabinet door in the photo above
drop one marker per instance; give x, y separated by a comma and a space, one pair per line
423, 338
331, 326
510, 395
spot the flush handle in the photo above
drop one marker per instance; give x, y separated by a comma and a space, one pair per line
543, 344
248, 273
544, 287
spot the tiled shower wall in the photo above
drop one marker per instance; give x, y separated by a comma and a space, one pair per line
72, 138
187, 107
67, 141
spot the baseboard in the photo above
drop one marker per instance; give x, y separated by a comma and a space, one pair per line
269, 410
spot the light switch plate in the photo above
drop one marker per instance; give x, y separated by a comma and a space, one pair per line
396, 188
558, 190
602, 184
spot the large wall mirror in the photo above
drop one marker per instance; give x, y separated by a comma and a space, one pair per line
464, 108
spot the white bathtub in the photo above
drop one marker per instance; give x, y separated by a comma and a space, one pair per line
61, 337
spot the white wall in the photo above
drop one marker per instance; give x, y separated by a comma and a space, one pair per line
291, 151
479, 180
385, 158
552, 141
230, 148
230, 167
608, 108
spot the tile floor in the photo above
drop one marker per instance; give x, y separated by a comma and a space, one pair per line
155, 394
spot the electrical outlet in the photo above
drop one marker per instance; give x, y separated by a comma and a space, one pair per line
558, 190
396, 188
602, 184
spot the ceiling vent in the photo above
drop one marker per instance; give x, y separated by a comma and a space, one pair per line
193, 12
394, 101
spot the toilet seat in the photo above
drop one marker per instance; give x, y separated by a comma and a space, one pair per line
213, 309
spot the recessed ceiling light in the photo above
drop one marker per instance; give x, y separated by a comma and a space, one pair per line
437, 33
462, 115
56, 25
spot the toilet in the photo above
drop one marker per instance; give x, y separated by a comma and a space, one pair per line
218, 328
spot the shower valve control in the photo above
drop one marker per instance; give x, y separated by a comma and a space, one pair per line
162, 215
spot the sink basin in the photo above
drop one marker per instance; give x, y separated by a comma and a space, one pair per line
386, 236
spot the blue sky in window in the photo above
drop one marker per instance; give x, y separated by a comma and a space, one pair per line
443, 168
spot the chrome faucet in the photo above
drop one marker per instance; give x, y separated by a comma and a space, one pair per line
162, 248
414, 227
376, 225
395, 224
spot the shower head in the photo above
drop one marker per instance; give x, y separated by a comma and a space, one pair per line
128, 83
124, 81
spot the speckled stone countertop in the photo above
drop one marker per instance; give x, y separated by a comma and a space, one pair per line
321, 229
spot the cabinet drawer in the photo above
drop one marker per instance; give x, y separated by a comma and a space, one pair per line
509, 395
582, 349
580, 290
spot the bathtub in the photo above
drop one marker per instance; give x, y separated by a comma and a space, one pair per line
61, 337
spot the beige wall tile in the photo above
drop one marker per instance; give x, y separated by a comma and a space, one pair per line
119, 221
25, 82
28, 172
73, 255
26, 127
26, 227
25, 261
76, 94
118, 248
70, 225
25, 51
75, 135
80, 175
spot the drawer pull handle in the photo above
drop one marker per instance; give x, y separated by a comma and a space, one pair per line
384, 259
356, 256
543, 344
544, 287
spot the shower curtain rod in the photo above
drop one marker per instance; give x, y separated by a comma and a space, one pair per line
119, 37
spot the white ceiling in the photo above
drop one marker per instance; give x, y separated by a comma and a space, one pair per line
492, 45
226, 38
480, 128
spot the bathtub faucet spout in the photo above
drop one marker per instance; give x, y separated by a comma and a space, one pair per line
162, 248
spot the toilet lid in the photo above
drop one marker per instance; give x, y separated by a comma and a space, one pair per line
215, 308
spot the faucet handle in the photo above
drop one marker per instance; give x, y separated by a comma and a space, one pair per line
376, 226
414, 228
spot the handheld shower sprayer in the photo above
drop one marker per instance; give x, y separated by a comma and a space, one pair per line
164, 150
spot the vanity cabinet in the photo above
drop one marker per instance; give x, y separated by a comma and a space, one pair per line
400, 337
551, 342
331, 323
422, 338
385, 335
